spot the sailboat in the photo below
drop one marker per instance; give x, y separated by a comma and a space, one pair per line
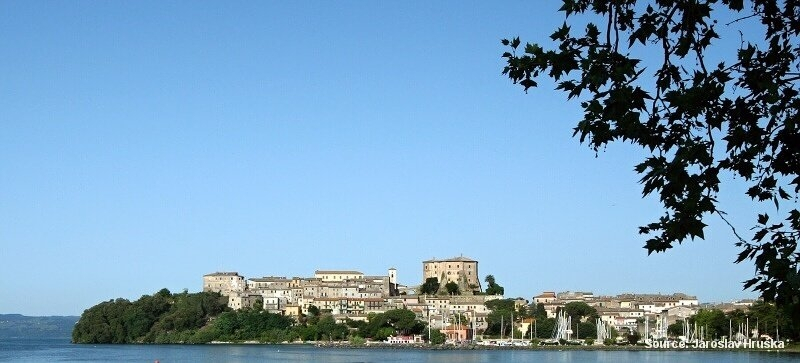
562, 330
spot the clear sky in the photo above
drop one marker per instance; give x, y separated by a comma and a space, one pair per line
144, 144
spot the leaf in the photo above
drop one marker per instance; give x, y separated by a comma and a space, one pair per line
760, 235
751, 282
528, 83
742, 256
769, 182
736, 5
754, 191
680, 112
561, 33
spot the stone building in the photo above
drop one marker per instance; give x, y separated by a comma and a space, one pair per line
461, 270
345, 292
224, 283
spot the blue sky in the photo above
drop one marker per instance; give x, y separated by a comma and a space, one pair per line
144, 144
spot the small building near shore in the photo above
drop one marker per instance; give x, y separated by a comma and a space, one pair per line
405, 339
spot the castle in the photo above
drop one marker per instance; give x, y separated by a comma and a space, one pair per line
348, 294
461, 270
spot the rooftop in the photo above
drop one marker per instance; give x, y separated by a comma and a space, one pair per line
318, 272
222, 274
656, 297
270, 279
454, 259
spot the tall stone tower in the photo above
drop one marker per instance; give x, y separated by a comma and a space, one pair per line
393, 290
461, 270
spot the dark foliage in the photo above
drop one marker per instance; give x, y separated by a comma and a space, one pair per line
146, 319
430, 287
643, 76
492, 287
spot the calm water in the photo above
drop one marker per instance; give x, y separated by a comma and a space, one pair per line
62, 351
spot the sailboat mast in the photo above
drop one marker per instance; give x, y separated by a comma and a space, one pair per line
512, 326
501, 327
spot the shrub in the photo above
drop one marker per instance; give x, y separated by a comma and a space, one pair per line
357, 340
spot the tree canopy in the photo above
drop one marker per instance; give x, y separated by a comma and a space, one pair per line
499, 321
452, 288
152, 318
644, 75
761, 316
204, 317
430, 287
492, 287
580, 310
379, 326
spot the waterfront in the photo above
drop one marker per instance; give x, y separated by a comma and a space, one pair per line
59, 350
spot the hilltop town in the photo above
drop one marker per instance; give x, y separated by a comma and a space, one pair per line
352, 295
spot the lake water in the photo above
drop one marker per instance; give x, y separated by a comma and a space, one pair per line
28, 350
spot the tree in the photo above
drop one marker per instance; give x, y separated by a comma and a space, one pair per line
544, 327
579, 310
713, 321
404, 321
395, 321
430, 287
384, 333
102, 323
765, 317
492, 288
523, 312
459, 319
437, 337
645, 76
586, 330
675, 329
313, 314
258, 303
539, 312
452, 288
500, 304
498, 322
633, 337
161, 318
374, 323
328, 329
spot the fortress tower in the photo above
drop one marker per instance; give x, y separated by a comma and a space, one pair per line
461, 270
